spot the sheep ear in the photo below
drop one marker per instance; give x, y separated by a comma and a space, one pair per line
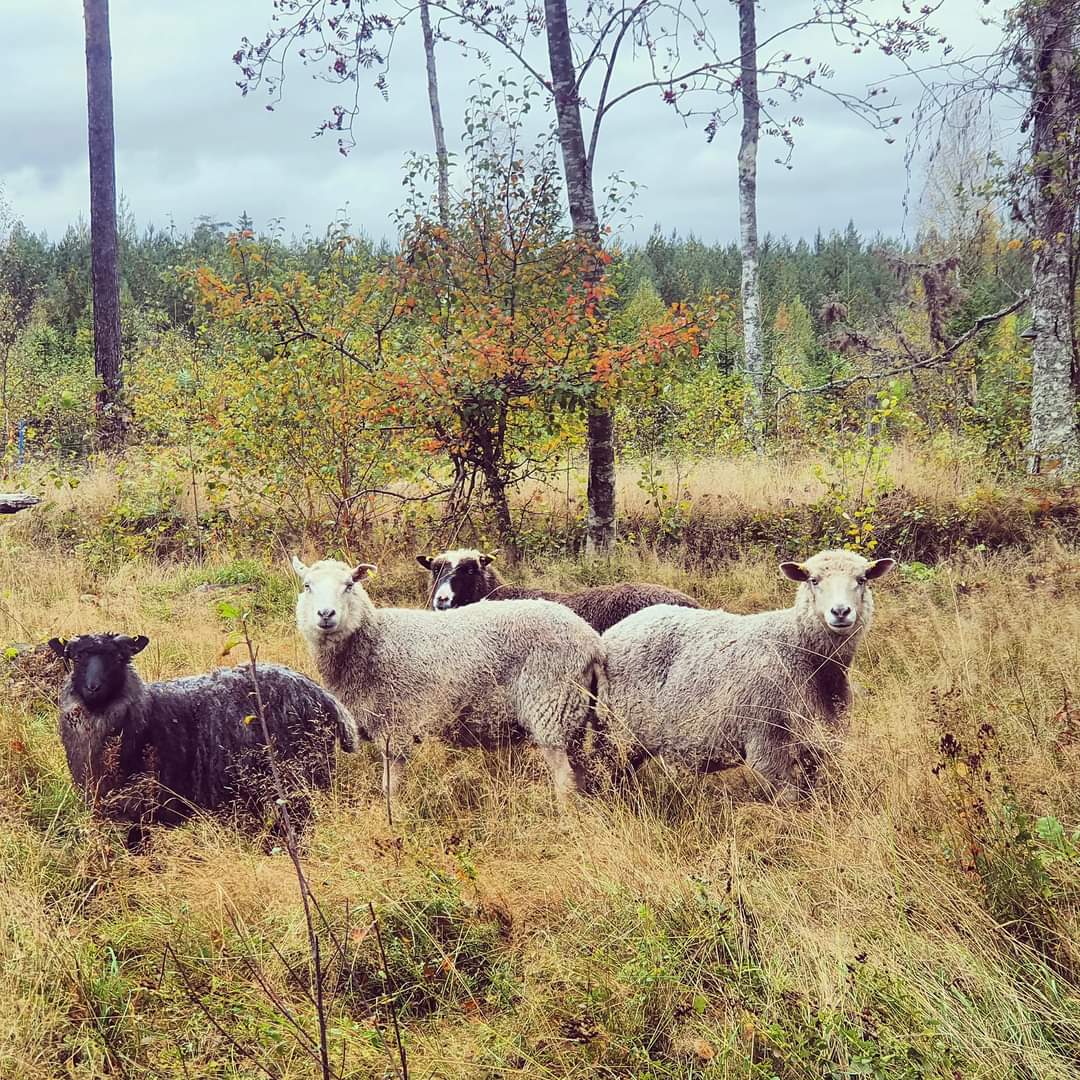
59, 646
298, 566
485, 559
795, 571
424, 561
365, 569
879, 568
137, 644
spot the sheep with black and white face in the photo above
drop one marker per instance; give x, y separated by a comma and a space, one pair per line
465, 576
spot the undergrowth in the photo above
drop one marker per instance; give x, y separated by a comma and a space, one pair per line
918, 920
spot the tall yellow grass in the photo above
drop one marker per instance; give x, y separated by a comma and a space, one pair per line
678, 929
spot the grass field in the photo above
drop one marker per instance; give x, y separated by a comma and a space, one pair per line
918, 919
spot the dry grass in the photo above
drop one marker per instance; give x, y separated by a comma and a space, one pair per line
780, 481
907, 924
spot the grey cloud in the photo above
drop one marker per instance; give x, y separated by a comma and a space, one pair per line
188, 144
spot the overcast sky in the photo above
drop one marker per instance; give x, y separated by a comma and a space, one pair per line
188, 144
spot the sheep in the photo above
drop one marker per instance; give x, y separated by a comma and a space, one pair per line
157, 753
465, 576
489, 675
710, 690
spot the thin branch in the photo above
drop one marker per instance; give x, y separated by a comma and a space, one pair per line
936, 360
627, 23
402, 1057
293, 848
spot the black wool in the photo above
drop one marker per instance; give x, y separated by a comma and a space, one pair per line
159, 752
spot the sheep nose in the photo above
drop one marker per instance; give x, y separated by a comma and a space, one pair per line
327, 613
841, 611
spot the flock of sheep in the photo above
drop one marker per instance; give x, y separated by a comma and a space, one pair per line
597, 680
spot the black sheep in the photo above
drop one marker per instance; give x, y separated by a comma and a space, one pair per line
463, 577
160, 752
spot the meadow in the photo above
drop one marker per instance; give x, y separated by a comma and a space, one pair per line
917, 918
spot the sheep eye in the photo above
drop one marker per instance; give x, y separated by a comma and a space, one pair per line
307, 588
815, 581
348, 586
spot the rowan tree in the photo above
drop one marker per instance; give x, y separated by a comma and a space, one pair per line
512, 346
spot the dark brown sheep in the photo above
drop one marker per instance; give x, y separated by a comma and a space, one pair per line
156, 753
465, 576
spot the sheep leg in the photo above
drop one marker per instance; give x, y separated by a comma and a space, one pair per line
564, 776
777, 765
392, 772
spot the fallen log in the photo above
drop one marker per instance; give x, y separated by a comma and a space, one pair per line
13, 503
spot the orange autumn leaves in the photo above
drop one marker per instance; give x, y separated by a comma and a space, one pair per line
487, 335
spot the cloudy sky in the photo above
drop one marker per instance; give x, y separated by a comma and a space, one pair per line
188, 144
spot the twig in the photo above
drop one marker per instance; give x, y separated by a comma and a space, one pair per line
938, 358
402, 1056
386, 783
294, 854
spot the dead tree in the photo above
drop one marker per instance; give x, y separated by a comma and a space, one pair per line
104, 242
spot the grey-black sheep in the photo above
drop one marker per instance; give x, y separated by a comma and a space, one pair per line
158, 752
487, 675
465, 576
710, 690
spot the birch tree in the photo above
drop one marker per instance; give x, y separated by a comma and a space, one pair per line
600, 58
442, 156
1052, 30
754, 359
1035, 70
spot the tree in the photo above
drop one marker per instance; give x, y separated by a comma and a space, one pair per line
519, 343
104, 240
1036, 66
754, 359
442, 157
577, 169
596, 60
476, 346
1051, 30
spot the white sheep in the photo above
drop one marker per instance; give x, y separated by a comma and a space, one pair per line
525, 671
710, 690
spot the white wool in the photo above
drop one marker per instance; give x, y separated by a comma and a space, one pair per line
486, 674
712, 690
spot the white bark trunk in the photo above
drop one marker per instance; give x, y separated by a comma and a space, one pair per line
1055, 445
1055, 440
442, 158
753, 353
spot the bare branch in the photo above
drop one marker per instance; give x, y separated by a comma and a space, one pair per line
936, 360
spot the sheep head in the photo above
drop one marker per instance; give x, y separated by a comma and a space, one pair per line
835, 585
332, 600
457, 577
99, 664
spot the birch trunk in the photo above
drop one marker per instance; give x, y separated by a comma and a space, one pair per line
442, 159
104, 243
1055, 442
579, 191
753, 356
